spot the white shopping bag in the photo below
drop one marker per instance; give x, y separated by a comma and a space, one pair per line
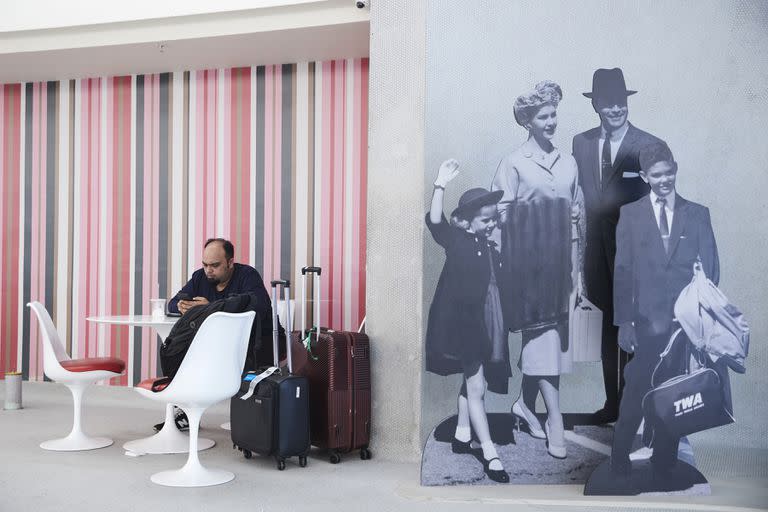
585, 331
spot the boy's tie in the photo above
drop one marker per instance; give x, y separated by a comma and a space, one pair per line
663, 224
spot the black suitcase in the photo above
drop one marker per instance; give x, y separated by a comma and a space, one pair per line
270, 413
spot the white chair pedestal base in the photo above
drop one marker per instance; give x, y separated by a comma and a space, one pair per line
192, 475
168, 440
76, 441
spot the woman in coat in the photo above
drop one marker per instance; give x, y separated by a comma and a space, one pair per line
539, 213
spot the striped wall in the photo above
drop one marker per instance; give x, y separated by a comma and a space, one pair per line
110, 186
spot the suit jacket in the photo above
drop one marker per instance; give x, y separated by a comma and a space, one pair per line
602, 203
648, 280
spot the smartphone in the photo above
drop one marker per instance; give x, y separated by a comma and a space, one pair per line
183, 296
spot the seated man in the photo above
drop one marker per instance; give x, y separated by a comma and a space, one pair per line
219, 278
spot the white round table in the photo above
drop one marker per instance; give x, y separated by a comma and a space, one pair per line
169, 439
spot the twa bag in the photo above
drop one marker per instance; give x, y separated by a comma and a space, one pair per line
685, 404
270, 413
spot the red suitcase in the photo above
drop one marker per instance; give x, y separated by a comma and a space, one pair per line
338, 367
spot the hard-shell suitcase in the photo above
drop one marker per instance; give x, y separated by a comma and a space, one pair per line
270, 413
338, 367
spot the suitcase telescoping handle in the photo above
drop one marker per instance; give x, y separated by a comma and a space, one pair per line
286, 284
304, 271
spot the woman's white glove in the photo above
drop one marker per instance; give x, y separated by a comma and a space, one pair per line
448, 170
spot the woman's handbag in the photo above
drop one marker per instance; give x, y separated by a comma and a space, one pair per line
585, 331
684, 404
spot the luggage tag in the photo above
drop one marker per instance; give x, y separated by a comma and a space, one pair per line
256, 379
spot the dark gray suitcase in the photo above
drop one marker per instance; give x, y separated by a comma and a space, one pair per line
270, 413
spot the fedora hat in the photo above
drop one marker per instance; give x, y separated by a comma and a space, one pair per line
608, 83
474, 199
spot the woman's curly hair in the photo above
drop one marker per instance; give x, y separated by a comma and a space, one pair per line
527, 105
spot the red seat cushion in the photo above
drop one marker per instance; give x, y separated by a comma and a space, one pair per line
89, 364
147, 384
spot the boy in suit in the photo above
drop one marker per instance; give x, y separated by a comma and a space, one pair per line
658, 239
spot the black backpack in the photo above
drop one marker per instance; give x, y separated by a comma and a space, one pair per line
177, 343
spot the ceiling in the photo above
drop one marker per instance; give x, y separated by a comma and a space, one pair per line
315, 31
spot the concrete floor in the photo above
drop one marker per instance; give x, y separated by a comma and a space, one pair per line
37, 480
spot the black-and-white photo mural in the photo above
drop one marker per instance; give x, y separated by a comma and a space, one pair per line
578, 330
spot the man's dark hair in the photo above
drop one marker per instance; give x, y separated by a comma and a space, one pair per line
229, 249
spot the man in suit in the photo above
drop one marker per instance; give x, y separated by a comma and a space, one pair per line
658, 239
607, 158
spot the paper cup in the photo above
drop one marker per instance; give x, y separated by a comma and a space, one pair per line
157, 307
12, 390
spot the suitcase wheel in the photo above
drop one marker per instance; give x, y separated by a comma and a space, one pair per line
303, 461
365, 453
247, 454
281, 464
335, 458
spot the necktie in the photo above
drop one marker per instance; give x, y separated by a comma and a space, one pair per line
606, 166
663, 224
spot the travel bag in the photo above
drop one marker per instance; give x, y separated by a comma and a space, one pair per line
338, 367
687, 403
269, 415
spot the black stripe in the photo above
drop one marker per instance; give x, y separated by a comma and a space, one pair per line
258, 221
28, 120
163, 214
139, 250
50, 197
286, 186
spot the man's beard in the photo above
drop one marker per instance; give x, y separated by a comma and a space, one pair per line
213, 280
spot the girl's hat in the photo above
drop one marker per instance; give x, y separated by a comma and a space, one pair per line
474, 199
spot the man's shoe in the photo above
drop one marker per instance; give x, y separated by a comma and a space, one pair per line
604, 416
179, 418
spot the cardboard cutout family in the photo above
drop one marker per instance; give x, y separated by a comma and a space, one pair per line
602, 226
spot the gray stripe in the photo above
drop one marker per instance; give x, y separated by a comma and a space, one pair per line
163, 213
139, 250
258, 222
286, 186
50, 197
28, 120
50, 193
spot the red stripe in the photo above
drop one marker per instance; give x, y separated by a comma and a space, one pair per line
15, 227
42, 204
4, 136
113, 227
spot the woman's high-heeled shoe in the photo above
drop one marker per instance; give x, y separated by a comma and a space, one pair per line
556, 451
519, 411
497, 475
461, 446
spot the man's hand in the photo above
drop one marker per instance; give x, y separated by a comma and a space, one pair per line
627, 337
186, 305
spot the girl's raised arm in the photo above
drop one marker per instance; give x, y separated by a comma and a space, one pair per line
448, 170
